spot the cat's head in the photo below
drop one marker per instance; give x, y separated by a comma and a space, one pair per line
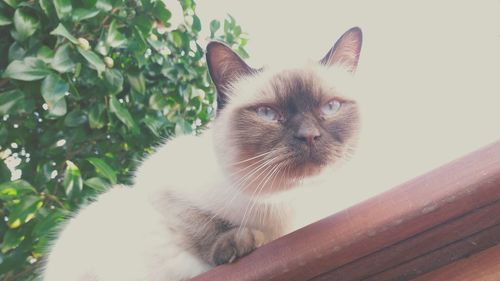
276, 127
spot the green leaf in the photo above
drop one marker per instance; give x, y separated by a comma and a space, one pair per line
23, 211
241, 51
137, 81
96, 116
155, 125
123, 115
12, 3
115, 39
43, 230
158, 45
98, 184
4, 20
62, 61
11, 239
75, 118
63, 8
186, 4
72, 182
15, 188
237, 31
28, 69
93, 59
43, 173
25, 23
41, 246
44, 53
183, 127
103, 169
5, 173
161, 12
82, 14
229, 39
57, 109
229, 24
53, 89
138, 45
48, 223
196, 24
46, 6
3, 134
144, 24
62, 31
157, 101
178, 38
9, 100
114, 81
102, 48
16, 51
89, 3
214, 26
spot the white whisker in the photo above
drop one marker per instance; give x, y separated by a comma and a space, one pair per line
240, 183
260, 187
252, 200
251, 158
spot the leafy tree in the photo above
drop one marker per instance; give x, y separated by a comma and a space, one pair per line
87, 88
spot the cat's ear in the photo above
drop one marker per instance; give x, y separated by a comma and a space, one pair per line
225, 66
345, 52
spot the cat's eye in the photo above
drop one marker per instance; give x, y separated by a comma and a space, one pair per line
267, 113
331, 107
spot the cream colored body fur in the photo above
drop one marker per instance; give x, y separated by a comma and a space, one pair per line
128, 235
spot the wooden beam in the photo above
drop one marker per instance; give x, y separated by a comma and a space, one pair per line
484, 266
411, 221
426, 251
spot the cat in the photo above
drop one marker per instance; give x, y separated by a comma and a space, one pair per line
201, 201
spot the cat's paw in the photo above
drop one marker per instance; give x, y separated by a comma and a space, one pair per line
236, 243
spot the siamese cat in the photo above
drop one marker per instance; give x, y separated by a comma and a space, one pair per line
202, 201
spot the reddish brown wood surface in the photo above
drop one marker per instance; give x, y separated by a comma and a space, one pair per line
484, 266
418, 219
441, 257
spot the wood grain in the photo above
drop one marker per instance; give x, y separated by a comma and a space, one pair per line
484, 266
440, 257
430, 205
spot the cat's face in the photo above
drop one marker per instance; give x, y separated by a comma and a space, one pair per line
277, 127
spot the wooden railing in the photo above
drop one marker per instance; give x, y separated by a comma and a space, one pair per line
424, 229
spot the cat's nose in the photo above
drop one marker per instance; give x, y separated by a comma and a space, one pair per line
308, 133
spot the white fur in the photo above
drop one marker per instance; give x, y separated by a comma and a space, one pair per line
124, 235
119, 237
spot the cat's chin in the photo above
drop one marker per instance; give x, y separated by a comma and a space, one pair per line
307, 169
290, 176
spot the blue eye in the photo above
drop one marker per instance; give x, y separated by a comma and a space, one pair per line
267, 113
331, 107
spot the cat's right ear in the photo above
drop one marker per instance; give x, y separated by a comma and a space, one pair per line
225, 67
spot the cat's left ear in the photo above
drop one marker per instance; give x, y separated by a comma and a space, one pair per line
346, 50
225, 67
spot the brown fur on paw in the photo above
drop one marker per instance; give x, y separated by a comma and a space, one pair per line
235, 243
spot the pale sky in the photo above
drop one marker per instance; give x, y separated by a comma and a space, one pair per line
429, 73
